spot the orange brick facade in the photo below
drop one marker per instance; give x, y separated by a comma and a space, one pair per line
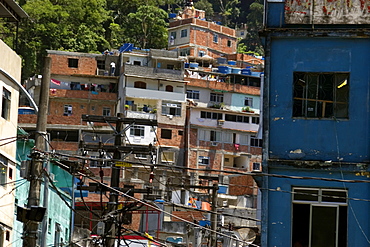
230, 87
86, 65
202, 36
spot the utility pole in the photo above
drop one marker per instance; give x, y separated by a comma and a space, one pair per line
117, 149
214, 188
214, 216
114, 182
31, 226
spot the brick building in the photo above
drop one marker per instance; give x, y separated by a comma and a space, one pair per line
196, 37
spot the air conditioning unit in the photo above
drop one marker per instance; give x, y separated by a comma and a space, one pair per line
224, 203
171, 105
214, 144
220, 122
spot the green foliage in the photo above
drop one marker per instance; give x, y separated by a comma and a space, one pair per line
206, 6
72, 25
230, 11
147, 27
254, 22
242, 48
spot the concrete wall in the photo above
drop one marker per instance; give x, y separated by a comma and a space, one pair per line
320, 139
10, 65
280, 203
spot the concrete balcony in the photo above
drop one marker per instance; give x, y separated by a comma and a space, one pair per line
141, 115
154, 94
153, 73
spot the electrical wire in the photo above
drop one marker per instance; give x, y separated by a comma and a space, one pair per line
254, 174
63, 199
12, 182
11, 191
344, 185
163, 211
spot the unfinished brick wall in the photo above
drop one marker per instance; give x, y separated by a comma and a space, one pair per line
205, 38
177, 139
241, 185
94, 107
87, 65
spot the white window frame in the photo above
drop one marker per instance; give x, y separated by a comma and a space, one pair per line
244, 139
202, 159
215, 136
320, 203
106, 111
167, 157
137, 130
255, 142
248, 101
173, 109
68, 110
216, 97
192, 94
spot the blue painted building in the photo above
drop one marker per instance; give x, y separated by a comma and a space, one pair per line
315, 184
56, 227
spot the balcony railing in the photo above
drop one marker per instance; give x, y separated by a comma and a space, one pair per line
141, 115
154, 94
153, 73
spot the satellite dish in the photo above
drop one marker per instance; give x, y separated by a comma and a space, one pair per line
246, 234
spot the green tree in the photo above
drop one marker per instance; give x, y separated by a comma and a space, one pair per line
206, 6
72, 25
147, 27
254, 23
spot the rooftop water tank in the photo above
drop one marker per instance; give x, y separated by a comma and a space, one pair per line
224, 69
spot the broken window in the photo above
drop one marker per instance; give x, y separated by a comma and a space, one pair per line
320, 95
319, 217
